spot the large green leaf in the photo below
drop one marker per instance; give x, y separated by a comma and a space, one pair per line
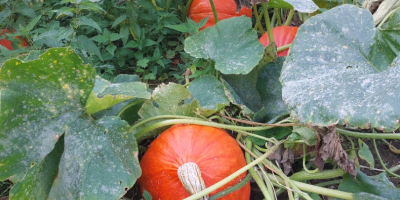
37, 182
232, 43
39, 99
44, 100
262, 95
329, 77
99, 159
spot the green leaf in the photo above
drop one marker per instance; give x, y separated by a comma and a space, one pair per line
147, 195
328, 77
100, 157
143, 62
32, 23
119, 20
106, 94
88, 45
387, 45
366, 154
210, 93
276, 132
231, 43
263, 95
88, 22
115, 36
167, 100
39, 99
111, 48
37, 182
44, 100
308, 135
270, 91
373, 187
304, 6
99, 39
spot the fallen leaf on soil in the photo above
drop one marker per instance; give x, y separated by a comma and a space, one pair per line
329, 146
287, 160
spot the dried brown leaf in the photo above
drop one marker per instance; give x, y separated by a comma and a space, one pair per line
287, 160
247, 3
329, 146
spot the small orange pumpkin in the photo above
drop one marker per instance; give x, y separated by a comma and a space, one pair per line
283, 35
200, 9
216, 154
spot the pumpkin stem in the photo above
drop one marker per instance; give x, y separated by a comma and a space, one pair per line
190, 176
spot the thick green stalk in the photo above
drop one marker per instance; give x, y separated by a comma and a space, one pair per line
214, 10
168, 122
289, 18
395, 136
232, 176
267, 22
231, 189
254, 174
326, 174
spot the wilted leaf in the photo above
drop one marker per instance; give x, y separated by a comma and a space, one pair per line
232, 43
329, 78
287, 160
329, 146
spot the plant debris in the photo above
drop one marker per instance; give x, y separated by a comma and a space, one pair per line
329, 146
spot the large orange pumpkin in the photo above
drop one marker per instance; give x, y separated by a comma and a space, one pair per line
283, 35
7, 43
200, 9
213, 150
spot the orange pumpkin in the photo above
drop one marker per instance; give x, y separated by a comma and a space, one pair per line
213, 150
7, 43
283, 35
200, 9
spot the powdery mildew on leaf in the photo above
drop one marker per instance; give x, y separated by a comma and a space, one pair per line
39, 99
231, 43
328, 78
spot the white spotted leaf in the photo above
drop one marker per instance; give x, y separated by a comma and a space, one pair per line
330, 78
